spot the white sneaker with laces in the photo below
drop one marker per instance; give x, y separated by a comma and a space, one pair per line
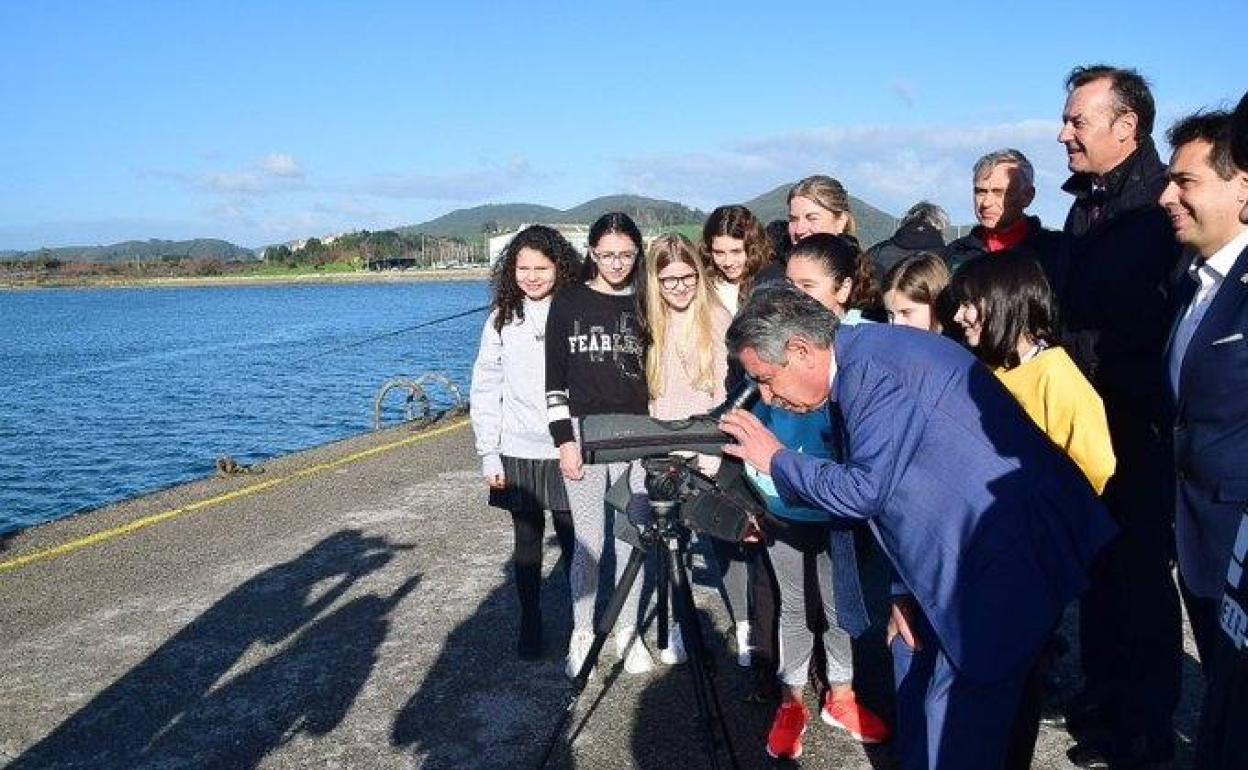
633, 650
743, 644
578, 651
674, 652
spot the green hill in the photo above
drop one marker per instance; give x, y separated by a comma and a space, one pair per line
142, 251
651, 214
874, 225
469, 225
473, 222
494, 217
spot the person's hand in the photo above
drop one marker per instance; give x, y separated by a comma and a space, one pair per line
753, 532
570, 463
496, 481
755, 445
903, 620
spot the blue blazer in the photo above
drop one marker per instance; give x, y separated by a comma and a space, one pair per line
1211, 433
987, 523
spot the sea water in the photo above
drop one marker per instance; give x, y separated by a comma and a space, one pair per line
106, 394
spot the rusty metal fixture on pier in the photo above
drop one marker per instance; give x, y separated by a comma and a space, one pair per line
417, 406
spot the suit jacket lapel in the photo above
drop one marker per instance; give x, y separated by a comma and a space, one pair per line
1232, 292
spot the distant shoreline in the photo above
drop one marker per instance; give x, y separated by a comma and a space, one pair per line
383, 276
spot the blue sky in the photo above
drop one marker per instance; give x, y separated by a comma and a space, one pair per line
260, 122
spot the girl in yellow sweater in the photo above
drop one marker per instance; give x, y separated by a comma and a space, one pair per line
1007, 312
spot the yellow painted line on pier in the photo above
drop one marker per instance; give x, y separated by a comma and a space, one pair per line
157, 518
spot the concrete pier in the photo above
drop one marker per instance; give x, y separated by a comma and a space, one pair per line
349, 607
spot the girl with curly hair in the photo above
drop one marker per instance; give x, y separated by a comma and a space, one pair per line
508, 398
735, 249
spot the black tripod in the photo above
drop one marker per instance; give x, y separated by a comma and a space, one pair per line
669, 540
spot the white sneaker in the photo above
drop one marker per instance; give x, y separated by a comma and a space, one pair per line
633, 650
578, 651
674, 652
743, 644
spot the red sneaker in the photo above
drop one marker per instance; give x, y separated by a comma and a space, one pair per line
785, 739
848, 714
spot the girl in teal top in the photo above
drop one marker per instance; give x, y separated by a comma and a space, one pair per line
802, 534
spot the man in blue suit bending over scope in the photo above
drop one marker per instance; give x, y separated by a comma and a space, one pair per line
989, 527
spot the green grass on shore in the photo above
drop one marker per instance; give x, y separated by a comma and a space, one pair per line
266, 269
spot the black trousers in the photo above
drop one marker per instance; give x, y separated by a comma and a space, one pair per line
526, 560
1130, 625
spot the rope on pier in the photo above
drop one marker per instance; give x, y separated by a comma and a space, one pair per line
397, 332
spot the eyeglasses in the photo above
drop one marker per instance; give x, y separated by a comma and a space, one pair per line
679, 281
619, 257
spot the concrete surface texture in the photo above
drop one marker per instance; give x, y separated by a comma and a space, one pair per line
348, 608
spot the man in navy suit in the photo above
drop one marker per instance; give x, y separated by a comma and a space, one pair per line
990, 529
1208, 358
1208, 366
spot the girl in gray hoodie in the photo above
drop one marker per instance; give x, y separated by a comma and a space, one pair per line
518, 459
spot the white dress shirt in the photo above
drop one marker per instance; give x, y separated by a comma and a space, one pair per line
1209, 274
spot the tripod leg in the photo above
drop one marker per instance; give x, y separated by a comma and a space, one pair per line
701, 664
661, 592
618, 597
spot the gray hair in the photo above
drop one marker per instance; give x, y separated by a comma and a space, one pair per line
774, 315
986, 164
926, 211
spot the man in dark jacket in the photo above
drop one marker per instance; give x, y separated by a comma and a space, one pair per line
1112, 279
921, 229
1004, 186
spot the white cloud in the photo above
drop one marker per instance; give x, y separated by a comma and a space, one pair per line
273, 173
353, 207
470, 185
233, 182
888, 166
282, 165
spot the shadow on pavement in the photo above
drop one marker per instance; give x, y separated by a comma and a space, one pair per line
478, 705
173, 709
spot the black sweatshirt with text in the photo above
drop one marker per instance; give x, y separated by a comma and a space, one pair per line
595, 358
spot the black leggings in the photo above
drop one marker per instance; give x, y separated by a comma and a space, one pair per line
526, 559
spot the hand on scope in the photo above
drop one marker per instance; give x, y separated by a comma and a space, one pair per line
570, 463
496, 481
755, 445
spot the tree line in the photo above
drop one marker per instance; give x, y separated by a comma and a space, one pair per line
383, 248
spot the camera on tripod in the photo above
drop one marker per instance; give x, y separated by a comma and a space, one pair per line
678, 499
667, 450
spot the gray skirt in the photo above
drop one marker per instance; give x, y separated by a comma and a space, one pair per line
532, 485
